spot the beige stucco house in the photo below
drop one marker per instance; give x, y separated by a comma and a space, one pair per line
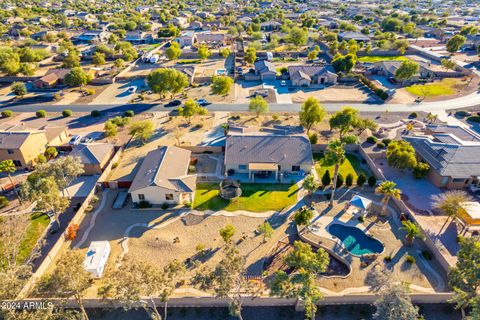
22, 147
94, 156
163, 178
306, 76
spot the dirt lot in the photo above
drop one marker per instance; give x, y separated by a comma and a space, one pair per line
338, 93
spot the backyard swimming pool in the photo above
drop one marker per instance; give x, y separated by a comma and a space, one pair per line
355, 240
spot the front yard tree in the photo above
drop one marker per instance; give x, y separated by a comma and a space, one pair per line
221, 85
344, 63
225, 52
190, 109
72, 60
251, 55
8, 167
464, 278
19, 89
227, 232
298, 36
68, 279
401, 155
388, 190
265, 229
204, 52
407, 70
335, 155
448, 64
413, 231
98, 59
344, 120
167, 80
174, 51
450, 203
64, 170
258, 105
455, 43
311, 113
310, 185
77, 77
142, 130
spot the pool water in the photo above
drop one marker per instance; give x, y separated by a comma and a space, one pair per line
355, 240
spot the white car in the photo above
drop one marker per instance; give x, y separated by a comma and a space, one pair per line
75, 140
283, 83
132, 89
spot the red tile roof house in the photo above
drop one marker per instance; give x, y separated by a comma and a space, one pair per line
51, 79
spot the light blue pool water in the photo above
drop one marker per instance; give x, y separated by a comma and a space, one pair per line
355, 240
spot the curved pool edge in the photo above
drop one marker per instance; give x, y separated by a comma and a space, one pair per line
340, 242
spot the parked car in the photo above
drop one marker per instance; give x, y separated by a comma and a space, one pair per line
132, 89
87, 139
75, 140
173, 103
203, 102
283, 83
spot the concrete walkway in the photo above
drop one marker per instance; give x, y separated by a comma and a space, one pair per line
93, 218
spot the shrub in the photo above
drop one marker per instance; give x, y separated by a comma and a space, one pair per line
372, 181
421, 170
474, 119
144, 204
41, 113
361, 180
349, 180
95, 113
89, 208
115, 165
90, 92
67, 113
339, 181
413, 115
192, 169
427, 255
388, 258
410, 259
129, 113
326, 180
361, 219
188, 204
380, 145
41, 158
351, 139
386, 141
51, 152
72, 231
7, 113
165, 206
461, 114
313, 137
3, 202
372, 139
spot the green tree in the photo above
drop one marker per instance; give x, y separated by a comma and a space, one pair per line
19, 88
167, 80
225, 52
326, 179
349, 180
221, 85
361, 180
335, 155
8, 167
98, 59
401, 155
413, 231
298, 36
265, 229
407, 70
9, 61
111, 129
344, 120
310, 184
72, 60
174, 51
303, 216
258, 105
51, 152
388, 190
142, 130
450, 203
448, 64
455, 43
227, 232
344, 63
250, 55
421, 170
77, 77
311, 113
190, 109
204, 52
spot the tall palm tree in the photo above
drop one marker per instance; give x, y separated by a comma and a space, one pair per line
413, 231
8, 167
335, 155
387, 188
450, 203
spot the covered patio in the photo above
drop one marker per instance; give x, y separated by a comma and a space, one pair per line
262, 170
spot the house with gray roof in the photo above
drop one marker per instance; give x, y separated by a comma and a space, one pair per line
389, 69
163, 178
353, 35
305, 76
94, 156
265, 70
453, 154
267, 155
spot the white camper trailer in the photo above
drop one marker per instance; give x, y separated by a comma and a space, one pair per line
97, 256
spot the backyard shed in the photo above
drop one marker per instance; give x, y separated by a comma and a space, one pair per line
97, 256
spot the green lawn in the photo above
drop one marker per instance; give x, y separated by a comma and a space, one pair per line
256, 197
373, 59
441, 88
37, 225
351, 165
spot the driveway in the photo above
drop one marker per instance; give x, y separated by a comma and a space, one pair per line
116, 93
282, 94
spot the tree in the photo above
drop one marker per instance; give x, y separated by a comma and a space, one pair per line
141, 130
455, 43
190, 109
119, 63
227, 232
401, 155
421, 170
72, 60
19, 88
298, 36
9, 61
265, 229
311, 113
393, 303
303, 216
344, 120
448, 64
258, 105
225, 52
110, 128
326, 180
51, 152
165, 80
388, 190
349, 180
344, 63
204, 52
251, 55
221, 85
68, 279
312, 54
335, 155
450, 203
361, 179
98, 59
77, 77
174, 51
128, 51
8, 167
310, 184
464, 278
413, 231
407, 70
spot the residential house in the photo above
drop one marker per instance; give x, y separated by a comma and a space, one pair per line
353, 35
389, 69
305, 76
270, 26
210, 39
22, 147
51, 79
453, 153
180, 22
138, 37
93, 156
163, 178
261, 155
265, 70
185, 39
92, 36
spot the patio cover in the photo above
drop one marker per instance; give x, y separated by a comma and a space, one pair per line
360, 202
471, 213
263, 166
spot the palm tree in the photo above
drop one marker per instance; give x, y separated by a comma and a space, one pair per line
413, 231
335, 155
450, 203
310, 185
8, 167
387, 188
